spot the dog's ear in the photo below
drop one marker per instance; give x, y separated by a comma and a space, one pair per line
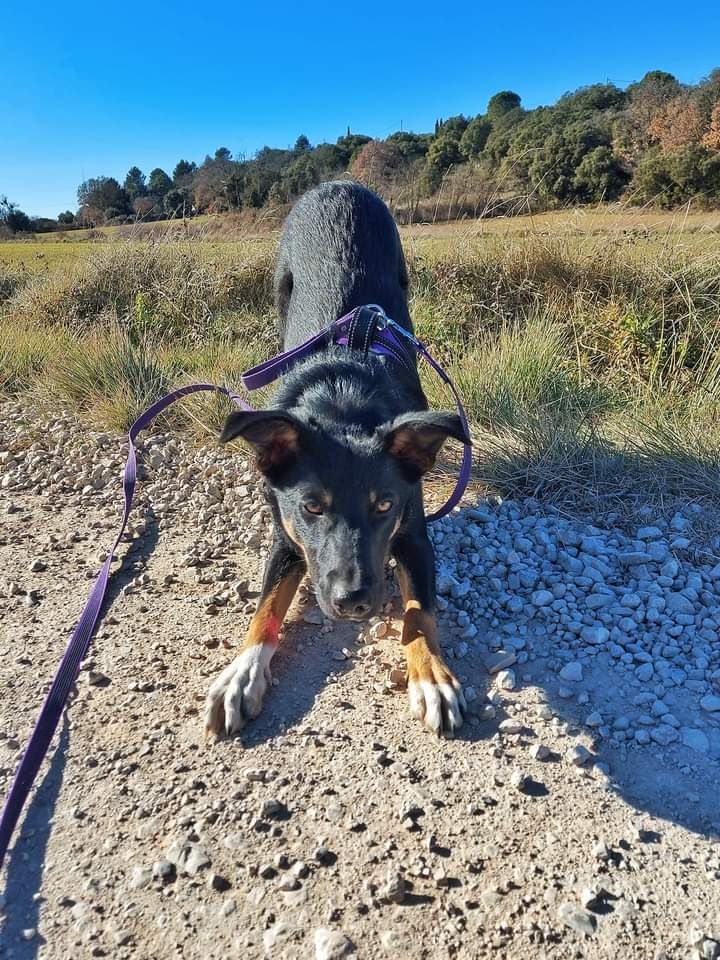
415, 438
274, 435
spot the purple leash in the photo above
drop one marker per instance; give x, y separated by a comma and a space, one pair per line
387, 341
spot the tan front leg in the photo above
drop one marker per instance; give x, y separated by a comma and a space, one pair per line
237, 694
435, 694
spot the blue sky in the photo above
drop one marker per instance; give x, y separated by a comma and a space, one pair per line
90, 89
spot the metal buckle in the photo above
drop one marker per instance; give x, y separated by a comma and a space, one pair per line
384, 321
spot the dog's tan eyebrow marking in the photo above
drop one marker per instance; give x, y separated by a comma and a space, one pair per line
373, 498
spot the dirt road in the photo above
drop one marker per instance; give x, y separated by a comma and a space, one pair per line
336, 825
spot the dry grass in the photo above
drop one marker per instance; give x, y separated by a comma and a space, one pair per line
588, 356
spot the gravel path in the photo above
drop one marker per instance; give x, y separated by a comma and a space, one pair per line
576, 816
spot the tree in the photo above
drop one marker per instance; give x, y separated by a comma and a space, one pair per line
669, 178
711, 140
707, 94
351, 144
329, 159
502, 103
413, 146
176, 203
299, 176
631, 136
134, 185
184, 170
13, 218
443, 153
302, 144
377, 164
158, 182
103, 193
222, 153
476, 134
677, 124
553, 166
66, 218
145, 206
453, 127
599, 176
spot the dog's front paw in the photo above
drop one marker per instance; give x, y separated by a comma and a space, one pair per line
237, 694
435, 695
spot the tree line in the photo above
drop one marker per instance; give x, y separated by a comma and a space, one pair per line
656, 142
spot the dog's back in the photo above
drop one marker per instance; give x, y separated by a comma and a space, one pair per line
340, 248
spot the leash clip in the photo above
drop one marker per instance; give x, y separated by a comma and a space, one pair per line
385, 322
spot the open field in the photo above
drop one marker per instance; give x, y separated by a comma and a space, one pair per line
225, 234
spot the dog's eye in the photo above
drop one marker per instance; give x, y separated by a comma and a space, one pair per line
383, 506
312, 506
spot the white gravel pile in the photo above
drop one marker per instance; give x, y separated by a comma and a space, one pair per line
525, 584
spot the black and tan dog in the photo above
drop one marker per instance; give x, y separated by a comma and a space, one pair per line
342, 453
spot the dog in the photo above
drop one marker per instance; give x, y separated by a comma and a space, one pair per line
342, 452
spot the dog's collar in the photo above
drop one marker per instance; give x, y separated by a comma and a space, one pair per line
367, 328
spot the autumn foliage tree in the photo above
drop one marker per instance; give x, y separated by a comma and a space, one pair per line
376, 165
711, 140
677, 124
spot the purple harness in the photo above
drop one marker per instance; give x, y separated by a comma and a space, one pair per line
388, 339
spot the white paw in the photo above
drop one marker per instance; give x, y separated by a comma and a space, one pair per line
237, 694
439, 705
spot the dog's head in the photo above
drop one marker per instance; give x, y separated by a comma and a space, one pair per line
342, 494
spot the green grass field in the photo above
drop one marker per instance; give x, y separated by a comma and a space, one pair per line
586, 344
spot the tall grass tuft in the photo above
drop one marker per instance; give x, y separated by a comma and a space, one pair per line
108, 376
12, 279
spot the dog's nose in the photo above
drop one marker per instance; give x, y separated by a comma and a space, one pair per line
354, 605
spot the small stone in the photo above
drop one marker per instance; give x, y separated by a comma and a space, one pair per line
538, 751
577, 918
332, 944
499, 660
506, 679
572, 671
140, 877
511, 725
37, 565
216, 882
541, 598
664, 734
711, 703
695, 739
97, 679
313, 616
645, 672
578, 755
392, 942
272, 808
518, 780
163, 869
601, 851
595, 635
229, 906
395, 888
283, 929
